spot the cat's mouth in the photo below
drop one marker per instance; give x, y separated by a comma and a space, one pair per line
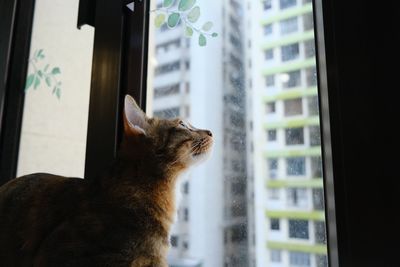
203, 147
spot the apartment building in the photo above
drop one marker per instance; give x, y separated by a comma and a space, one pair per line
285, 176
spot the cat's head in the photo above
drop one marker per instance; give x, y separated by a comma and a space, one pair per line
174, 143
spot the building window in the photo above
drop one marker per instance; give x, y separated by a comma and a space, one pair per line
294, 136
296, 166
316, 167
297, 197
268, 29
186, 188
313, 108
267, 4
271, 108
273, 168
174, 241
271, 135
299, 259
293, 107
311, 74
289, 25
185, 245
274, 224
298, 229
167, 68
321, 260
290, 52
320, 232
308, 22
166, 90
309, 48
269, 54
315, 136
270, 80
291, 79
273, 194
275, 255
318, 199
186, 214
238, 233
168, 45
283, 4
167, 113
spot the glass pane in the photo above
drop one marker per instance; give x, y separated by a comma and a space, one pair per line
259, 200
57, 92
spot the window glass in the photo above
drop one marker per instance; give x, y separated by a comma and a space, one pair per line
254, 86
55, 115
289, 25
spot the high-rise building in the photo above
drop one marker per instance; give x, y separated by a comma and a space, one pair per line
205, 85
287, 224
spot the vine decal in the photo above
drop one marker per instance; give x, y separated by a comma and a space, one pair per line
186, 12
43, 74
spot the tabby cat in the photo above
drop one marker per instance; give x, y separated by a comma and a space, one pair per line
121, 219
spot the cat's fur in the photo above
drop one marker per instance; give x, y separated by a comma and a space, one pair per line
122, 219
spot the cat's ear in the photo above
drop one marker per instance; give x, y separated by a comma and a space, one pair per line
134, 118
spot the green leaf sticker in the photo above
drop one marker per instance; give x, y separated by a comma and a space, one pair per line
214, 34
194, 14
58, 93
37, 82
188, 31
159, 20
55, 71
40, 73
48, 81
173, 19
202, 40
29, 81
185, 5
207, 26
168, 3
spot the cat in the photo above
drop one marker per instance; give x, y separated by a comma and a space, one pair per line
121, 219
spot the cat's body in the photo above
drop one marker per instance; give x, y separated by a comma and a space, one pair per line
120, 219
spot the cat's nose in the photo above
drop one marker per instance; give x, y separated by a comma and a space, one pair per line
209, 133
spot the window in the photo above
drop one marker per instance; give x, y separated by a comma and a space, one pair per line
166, 90
167, 68
269, 54
289, 25
315, 136
271, 108
318, 199
274, 224
275, 255
298, 229
273, 194
308, 22
297, 197
273, 168
311, 75
271, 135
174, 241
186, 188
321, 260
320, 232
299, 259
313, 108
267, 4
290, 52
268, 29
309, 48
316, 167
296, 166
270, 80
167, 113
294, 136
283, 4
186, 214
291, 79
293, 107
165, 47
